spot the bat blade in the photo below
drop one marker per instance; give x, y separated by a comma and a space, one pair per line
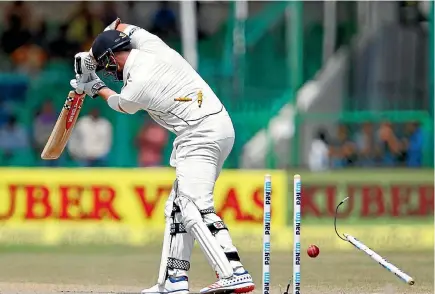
64, 125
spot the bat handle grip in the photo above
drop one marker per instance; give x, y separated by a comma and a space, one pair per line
74, 86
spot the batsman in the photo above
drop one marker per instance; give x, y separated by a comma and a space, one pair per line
160, 81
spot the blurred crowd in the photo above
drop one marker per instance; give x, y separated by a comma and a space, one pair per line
27, 44
30, 42
90, 143
368, 145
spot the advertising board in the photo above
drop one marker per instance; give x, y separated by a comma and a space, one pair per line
125, 206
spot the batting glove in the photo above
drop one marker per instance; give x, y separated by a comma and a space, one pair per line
89, 84
84, 63
113, 25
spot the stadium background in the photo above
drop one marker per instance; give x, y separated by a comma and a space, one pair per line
286, 71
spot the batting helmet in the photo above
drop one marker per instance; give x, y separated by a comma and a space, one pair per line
104, 47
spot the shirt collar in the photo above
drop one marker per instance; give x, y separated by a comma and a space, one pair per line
129, 64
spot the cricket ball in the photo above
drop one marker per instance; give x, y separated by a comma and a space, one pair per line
313, 251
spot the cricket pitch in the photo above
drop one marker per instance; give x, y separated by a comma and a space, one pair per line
125, 269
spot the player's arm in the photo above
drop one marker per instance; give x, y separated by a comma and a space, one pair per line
121, 27
140, 38
112, 99
118, 25
127, 100
117, 102
128, 29
124, 102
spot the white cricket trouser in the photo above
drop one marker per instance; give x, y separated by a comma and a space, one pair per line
198, 158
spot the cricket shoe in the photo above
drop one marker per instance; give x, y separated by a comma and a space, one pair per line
179, 285
238, 283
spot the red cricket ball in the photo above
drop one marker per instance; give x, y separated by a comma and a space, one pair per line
313, 251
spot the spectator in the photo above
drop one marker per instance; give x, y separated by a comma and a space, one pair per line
133, 15
4, 113
61, 47
200, 31
15, 35
81, 22
109, 13
164, 22
29, 58
91, 140
390, 147
365, 145
150, 141
13, 137
89, 38
343, 151
413, 145
43, 124
319, 152
20, 10
40, 35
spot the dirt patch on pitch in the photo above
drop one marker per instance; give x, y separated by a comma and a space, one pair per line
40, 288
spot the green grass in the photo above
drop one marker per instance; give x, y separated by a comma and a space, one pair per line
112, 268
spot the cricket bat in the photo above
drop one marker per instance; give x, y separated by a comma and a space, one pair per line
64, 125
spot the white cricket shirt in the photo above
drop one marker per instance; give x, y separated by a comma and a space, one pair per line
318, 159
91, 138
160, 81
